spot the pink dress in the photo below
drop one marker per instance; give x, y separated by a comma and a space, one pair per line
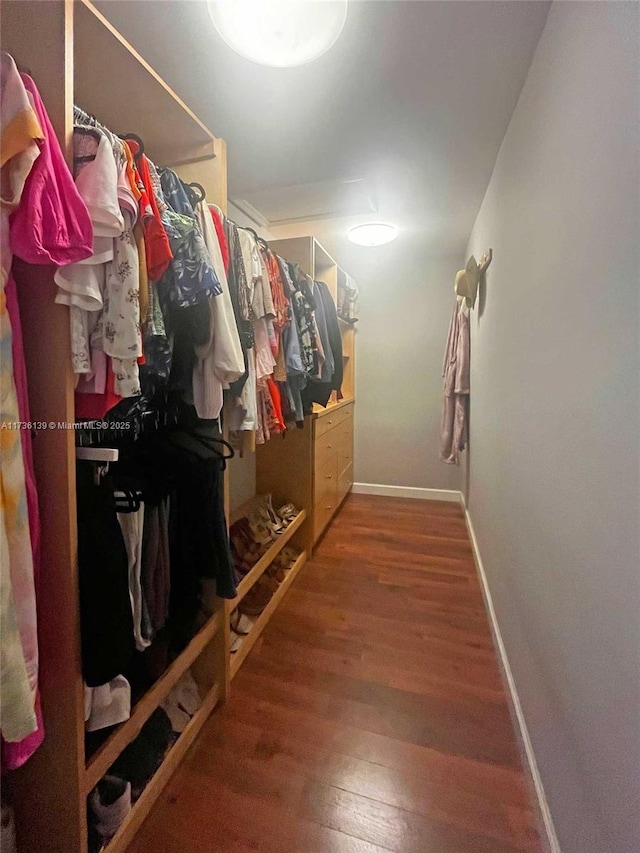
51, 225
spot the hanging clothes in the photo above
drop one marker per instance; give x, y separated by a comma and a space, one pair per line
217, 217
319, 391
82, 285
106, 616
49, 224
456, 372
220, 361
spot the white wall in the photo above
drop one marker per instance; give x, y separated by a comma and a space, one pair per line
554, 470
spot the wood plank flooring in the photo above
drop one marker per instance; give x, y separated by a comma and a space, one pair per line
369, 717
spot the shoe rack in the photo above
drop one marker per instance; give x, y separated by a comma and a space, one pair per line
292, 535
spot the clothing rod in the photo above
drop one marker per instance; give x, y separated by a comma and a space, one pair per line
97, 454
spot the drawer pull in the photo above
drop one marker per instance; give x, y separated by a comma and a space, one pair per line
329, 476
329, 446
330, 421
329, 507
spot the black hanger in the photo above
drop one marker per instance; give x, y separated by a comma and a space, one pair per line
195, 441
194, 185
251, 231
127, 500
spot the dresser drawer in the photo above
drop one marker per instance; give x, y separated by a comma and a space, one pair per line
345, 481
323, 513
325, 423
325, 478
326, 447
344, 444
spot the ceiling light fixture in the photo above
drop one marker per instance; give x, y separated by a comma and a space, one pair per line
281, 33
372, 234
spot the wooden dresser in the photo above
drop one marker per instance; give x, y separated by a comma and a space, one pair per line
332, 462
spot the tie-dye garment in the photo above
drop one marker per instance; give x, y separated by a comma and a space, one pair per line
19, 149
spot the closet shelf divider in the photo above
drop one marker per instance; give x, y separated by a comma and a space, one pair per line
265, 561
103, 758
141, 808
238, 657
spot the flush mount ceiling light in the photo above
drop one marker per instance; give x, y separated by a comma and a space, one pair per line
281, 33
372, 234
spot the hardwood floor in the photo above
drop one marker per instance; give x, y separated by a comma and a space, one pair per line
369, 717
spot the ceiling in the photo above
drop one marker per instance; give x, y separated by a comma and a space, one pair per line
400, 121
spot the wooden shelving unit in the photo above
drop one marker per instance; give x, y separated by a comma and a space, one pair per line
174, 756
121, 737
259, 625
267, 558
76, 55
149, 107
295, 534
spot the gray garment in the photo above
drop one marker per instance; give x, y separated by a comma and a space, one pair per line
328, 365
156, 569
296, 376
456, 371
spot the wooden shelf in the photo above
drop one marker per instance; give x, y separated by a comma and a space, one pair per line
265, 561
141, 808
171, 132
249, 641
103, 758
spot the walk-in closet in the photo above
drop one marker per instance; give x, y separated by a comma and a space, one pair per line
318, 426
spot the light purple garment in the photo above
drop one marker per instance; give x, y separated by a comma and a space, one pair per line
456, 369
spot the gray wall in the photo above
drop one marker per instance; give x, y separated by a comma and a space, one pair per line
553, 480
405, 306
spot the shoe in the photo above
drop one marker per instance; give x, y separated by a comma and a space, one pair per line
262, 530
109, 805
242, 542
258, 596
273, 515
236, 642
240, 623
288, 513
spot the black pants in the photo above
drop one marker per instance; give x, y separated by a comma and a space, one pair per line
106, 621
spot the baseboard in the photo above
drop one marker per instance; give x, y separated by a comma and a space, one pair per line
406, 492
550, 833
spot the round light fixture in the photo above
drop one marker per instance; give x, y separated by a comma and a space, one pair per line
280, 33
372, 234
